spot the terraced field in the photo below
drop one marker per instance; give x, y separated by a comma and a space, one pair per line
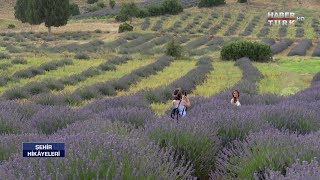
108, 97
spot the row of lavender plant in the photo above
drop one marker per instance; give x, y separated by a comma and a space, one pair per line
281, 46
269, 41
105, 156
107, 88
138, 41
158, 25
91, 46
187, 82
213, 30
249, 28
264, 30
301, 48
146, 24
299, 170
45, 86
213, 45
146, 47
232, 29
190, 27
197, 42
316, 51
282, 32
35, 36
268, 149
35, 70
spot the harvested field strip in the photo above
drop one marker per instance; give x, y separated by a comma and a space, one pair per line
31, 62
287, 76
225, 75
119, 72
308, 31
291, 32
316, 51
163, 78
77, 67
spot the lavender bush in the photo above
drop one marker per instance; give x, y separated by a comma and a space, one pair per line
249, 28
188, 138
296, 171
281, 46
268, 41
35, 88
145, 24
264, 31
138, 41
52, 118
316, 51
124, 82
15, 117
301, 48
268, 149
105, 156
197, 42
295, 116
187, 82
283, 31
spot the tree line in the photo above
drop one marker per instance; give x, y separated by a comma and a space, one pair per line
50, 12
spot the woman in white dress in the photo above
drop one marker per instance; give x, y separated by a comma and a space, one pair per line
235, 98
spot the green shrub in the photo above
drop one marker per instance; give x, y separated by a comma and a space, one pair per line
242, 1
74, 9
171, 7
11, 26
92, 1
101, 4
93, 7
255, 51
210, 3
112, 3
82, 56
125, 27
173, 49
127, 12
19, 61
4, 56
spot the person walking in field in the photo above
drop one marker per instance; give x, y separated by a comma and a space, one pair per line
235, 98
180, 104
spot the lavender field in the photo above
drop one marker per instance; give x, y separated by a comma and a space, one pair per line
108, 97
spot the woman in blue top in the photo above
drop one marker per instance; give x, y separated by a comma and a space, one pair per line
180, 101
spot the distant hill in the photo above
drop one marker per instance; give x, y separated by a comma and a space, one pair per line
7, 6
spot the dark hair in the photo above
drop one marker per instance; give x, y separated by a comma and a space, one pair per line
234, 98
177, 94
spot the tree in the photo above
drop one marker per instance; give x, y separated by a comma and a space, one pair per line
51, 12
112, 3
20, 10
55, 13
127, 12
210, 3
173, 49
34, 12
74, 9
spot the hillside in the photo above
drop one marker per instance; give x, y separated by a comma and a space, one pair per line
7, 10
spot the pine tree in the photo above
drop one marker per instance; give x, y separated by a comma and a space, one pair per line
34, 12
20, 10
55, 13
